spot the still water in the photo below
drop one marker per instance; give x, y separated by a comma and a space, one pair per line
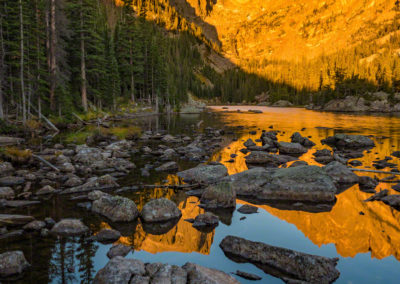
368, 245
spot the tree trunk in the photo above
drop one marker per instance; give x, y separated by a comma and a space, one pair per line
21, 23
53, 62
2, 54
132, 74
83, 65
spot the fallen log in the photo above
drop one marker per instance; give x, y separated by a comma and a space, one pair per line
375, 171
46, 162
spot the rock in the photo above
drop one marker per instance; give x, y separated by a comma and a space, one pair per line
298, 163
248, 276
220, 195
378, 196
355, 163
197, 274
87, 155
49, 222
107, 236
6, 193
45, 190
207, 219
204, 174
349, 141
264, 158
20, 203
170, 139
160, 210
303, 183
119, 270
323, 152
168, 155
324, 159
14, 220
6, 169
247, 182
12, 263
116, 208
34, 226
341, 174
69, 227
289, 265
138, 279
96, 194
282, 103
168, 167
255, 111
118, 250
291, 148
396, 154
11, 181
392, 200
297, 138
165, 273
73, 181
396, 187
105, 181
248, 209
249, 143
367, 184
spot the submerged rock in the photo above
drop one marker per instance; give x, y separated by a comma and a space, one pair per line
116, 208
204, 174
200, 274
160, 210
220, 195
70, 227
12, 263
286, 264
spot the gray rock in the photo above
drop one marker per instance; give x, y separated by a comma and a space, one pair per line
12, 263
105, 181
291, 148
69, 227
249, 143
119, 270
204, 174
264, 158
349, 141
392, 200
73, 181
293, 266
367, 184
297, 138
220, 195
168, 167
164, 273
160, 210
34, 226
14, 220
48, 189
6, 169
341, 174
118, 250
96, 194
116, 208
248, 209
11, 181
247, 182
197, 274
249, 276
107, 236
138, 279
207, 219
298, 163
6, 193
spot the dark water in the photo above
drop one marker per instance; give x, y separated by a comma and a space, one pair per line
368, 246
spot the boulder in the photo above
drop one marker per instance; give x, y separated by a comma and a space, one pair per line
107, 236
298, 138
291, 148
11, 181
119, 270
289, 265
264, 158
247, 182
248, 209
200, 274
249, 143
282, 103
14, 220
35, 226
349, 141
6, 193
204, 174
207, 219
48, 189
6, 169
220, 195
168, 167
70, 227
341, 174
118, 250
12, 263
116, 208
160, 210
165, 273
367, 184
105, 181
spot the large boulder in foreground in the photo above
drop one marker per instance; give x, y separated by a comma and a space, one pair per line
119, 270
116, 208
200, 274
341, 174
220, 195
70, 227
349, 141
12, 263
204, 174
160, 210
289, 265
248, 182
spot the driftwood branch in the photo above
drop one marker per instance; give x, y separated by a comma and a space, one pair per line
80, 119
375, 171
46, 162
44, 118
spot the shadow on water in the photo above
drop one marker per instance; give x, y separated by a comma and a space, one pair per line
367, 244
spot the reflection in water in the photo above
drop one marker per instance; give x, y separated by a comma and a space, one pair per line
378, 230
